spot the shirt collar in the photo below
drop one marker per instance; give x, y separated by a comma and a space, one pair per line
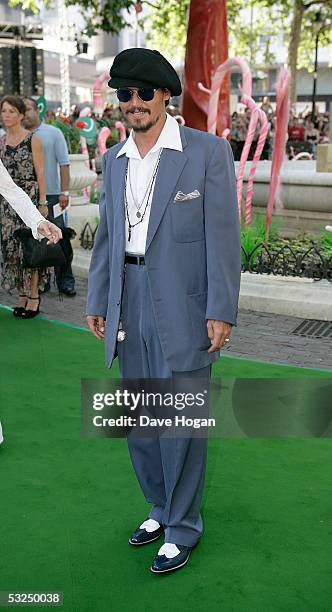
169, 138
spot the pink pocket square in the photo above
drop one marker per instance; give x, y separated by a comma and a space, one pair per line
180, 196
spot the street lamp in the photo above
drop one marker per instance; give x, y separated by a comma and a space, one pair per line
317, 24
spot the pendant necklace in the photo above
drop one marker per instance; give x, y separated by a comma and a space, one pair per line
138, 205
148, 193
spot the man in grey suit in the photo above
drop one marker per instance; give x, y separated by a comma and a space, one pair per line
164, 280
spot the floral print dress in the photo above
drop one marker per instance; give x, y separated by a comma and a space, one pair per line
18, 162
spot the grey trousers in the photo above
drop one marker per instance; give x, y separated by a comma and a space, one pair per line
171, 470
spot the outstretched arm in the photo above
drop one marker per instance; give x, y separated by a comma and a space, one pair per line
28, 212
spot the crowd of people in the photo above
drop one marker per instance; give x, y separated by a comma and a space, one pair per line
35, 156
303, 134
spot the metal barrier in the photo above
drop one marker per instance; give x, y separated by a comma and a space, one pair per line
285, 260
288, 261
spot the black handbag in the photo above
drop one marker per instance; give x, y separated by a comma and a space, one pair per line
39, 254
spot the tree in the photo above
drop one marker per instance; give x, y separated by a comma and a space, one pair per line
166, 27
301, 32
165, 24
294, 18
105, 15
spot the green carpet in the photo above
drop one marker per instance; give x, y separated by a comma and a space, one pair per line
68, 504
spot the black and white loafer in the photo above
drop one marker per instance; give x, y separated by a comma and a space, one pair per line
142, 536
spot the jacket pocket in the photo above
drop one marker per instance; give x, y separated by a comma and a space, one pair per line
188, 220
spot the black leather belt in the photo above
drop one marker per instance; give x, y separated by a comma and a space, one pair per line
135, 259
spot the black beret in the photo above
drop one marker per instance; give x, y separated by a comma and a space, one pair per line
143, 68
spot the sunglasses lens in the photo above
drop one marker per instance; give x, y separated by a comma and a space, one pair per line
146, 94
124, 95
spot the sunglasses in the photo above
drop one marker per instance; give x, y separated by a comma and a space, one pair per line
144, 93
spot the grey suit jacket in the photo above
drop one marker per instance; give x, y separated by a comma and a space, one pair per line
193, 252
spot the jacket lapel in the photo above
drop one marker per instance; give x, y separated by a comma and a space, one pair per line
118, 173
170, 167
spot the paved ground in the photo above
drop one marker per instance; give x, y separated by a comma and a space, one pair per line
257, 335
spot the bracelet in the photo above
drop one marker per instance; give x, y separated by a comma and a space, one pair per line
42, 203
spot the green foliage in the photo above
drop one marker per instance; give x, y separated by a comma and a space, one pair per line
283, 13
72, 135
105, 15
166, 27
326, 242
165, 21
307, 44
252, 241
113, 138
30, 5
253, 235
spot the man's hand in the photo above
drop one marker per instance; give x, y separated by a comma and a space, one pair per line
50, 231
218, 331
63, 201
96, 325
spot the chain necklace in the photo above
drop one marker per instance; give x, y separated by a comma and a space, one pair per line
136, 203
152, 181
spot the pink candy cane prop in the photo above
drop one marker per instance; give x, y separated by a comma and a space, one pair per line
283, 105
84, 149
102, 137
86, 112
95, 184
256, 114
302, 155
97, 98
119, 126
216, 84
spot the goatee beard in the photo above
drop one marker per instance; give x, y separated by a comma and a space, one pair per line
147, 127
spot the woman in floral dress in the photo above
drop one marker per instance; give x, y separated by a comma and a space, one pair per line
22, 155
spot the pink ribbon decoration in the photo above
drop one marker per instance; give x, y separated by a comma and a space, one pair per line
256, 114
119, 126
282, 112
102, 137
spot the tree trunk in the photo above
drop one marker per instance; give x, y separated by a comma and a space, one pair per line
294, 41
206, 49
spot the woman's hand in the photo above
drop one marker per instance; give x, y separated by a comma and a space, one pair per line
50, 231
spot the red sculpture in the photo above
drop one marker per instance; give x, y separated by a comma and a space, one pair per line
207, 48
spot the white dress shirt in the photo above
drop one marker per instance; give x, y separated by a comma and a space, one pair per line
20, 201
140, 172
